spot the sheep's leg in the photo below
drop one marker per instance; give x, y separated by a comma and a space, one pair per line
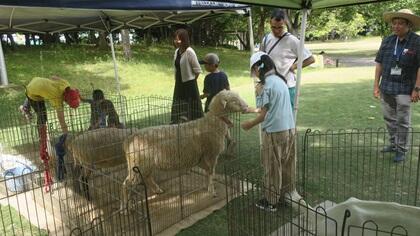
125, 193
84, 185
152, 185
210, 167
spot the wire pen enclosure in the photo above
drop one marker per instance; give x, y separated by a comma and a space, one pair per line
89, 197
334, 168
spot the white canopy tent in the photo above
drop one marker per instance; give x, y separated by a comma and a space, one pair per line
53, 16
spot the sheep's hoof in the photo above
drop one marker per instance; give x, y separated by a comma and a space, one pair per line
157, 191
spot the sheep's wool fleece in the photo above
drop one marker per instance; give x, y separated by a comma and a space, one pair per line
100, 147
385, 214
171, 147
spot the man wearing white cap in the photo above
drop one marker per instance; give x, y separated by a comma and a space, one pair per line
397, 78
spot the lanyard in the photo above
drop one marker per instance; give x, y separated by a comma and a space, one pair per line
398, 55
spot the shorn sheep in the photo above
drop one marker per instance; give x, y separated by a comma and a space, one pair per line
181, 146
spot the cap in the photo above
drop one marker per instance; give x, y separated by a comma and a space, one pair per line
256, 57
72, 97
211, 59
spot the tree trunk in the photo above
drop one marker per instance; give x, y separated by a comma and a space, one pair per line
102, 43
12, 41
293, 25
75, 37
263, 13
69, 40
27, 40
125, 40
50, 38
92, 38
241, 40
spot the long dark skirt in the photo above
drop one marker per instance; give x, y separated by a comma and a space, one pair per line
186, 103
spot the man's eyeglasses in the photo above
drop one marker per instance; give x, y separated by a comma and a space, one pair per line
276, 27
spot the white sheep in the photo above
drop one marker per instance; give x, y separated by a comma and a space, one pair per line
97, 149
181, 146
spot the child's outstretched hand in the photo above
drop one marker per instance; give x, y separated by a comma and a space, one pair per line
247, 125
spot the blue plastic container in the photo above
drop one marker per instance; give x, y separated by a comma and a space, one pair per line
17, 179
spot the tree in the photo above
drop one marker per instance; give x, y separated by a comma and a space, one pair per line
125, 41
260, 18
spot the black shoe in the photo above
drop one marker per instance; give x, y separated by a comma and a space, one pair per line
265, 205
389, 148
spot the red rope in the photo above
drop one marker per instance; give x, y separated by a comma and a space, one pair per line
43, 153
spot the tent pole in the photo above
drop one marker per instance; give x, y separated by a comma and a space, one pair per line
114, 60
251, 50
3, 71
251, 32
300, 61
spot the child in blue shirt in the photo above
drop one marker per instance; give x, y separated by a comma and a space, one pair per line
278, 155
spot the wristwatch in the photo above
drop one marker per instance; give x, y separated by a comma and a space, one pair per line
417, 89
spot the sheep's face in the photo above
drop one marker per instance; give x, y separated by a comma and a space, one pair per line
228, 102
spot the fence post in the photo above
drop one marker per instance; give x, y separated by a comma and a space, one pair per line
3, 70
305, 143
416, 190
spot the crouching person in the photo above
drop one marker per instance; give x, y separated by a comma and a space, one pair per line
278, 155
56, 91
102, 112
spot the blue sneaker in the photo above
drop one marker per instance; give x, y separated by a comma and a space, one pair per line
400, 156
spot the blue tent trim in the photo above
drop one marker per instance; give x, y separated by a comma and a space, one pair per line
53, 16
124, 4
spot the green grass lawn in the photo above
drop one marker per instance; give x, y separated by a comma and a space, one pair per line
331, 98
14, 224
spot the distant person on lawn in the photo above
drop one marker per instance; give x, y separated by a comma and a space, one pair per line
215, 81
397, 78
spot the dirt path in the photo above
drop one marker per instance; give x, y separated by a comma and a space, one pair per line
349, 61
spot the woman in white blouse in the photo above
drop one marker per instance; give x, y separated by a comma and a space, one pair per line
186, 99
